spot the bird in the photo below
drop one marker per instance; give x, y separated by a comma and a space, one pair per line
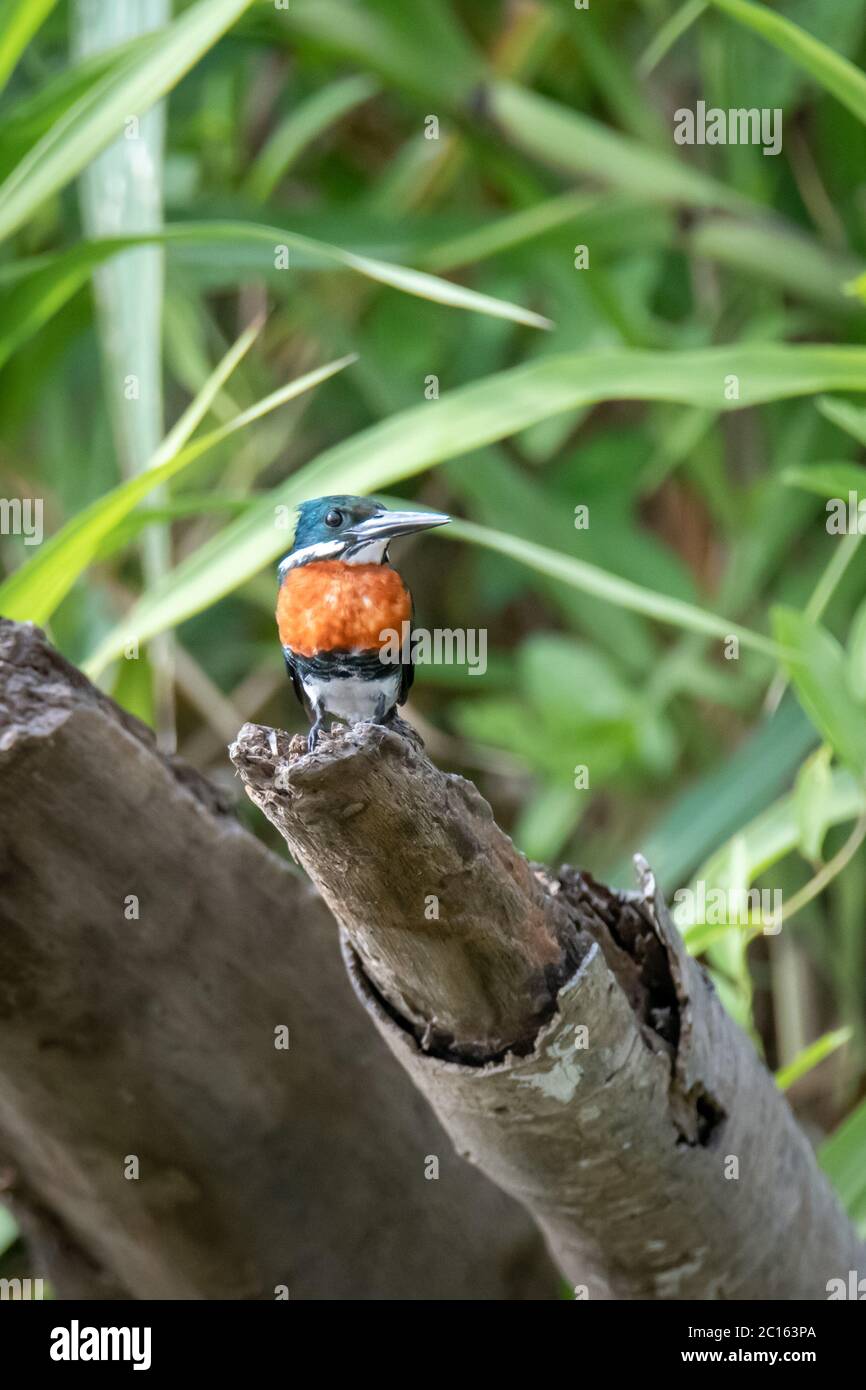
337, 602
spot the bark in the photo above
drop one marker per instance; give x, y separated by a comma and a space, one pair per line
153, 1036
569, 1045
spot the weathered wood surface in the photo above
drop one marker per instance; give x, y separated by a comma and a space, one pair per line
570, 1046
154, 1037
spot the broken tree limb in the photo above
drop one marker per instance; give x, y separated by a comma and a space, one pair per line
161, 1136
568, 1043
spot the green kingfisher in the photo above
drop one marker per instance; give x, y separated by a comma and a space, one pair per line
338, 603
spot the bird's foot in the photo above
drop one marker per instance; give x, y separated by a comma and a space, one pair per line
384, 713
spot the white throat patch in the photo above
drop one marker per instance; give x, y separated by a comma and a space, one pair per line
373, 553
324, 550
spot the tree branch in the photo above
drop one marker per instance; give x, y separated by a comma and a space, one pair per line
149, 949
570, 1046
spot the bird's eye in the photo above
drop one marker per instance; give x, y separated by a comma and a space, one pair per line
334, 517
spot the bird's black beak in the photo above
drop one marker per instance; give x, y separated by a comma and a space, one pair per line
385, 525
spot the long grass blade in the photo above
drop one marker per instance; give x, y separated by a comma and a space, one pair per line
33, 592
55, 279
610, 588
494, 408
132, 85
836, 74
20, 22
301, 127
812, 1056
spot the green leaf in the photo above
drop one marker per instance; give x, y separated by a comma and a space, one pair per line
857, 656
813, 795
754, 849
133, 689
828, 479
591, 579
728, 797
31, 117
546, 821
857, 287
34, 591
20, 23
776, 832
727, 941
421, 47
843, 1158
34, 299
839, 77
811, 1056
577, 682
701, 936
498, 494
850, 418
817, 669
597, 215
778, 255
190, 504
478, 414
38, 288
670, 32
321, 110
132, 85
8, 1230
559, 136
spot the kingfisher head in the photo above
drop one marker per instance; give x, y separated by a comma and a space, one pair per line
357, 530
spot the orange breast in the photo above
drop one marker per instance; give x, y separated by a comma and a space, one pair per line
328, 606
